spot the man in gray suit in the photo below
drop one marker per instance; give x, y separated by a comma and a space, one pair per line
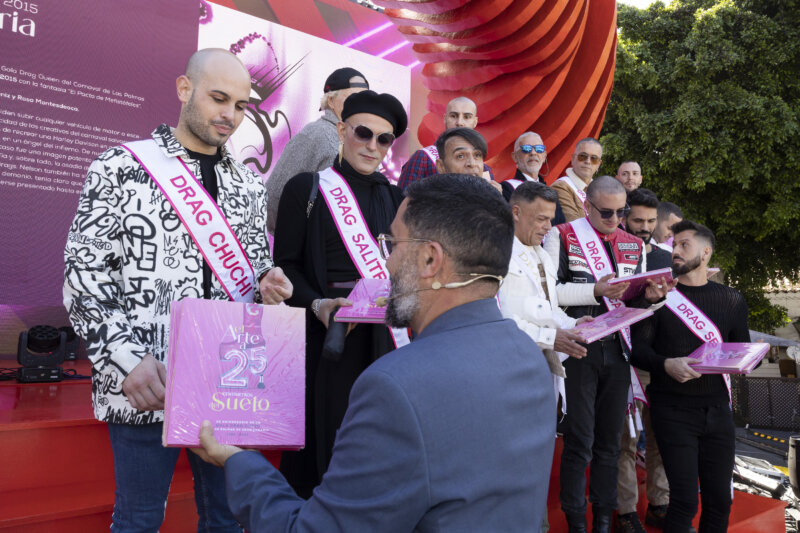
453, 432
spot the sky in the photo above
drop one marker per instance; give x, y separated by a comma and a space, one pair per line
639, 3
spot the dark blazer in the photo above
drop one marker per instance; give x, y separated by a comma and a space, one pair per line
454, 432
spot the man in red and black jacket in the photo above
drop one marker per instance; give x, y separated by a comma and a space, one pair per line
596, 385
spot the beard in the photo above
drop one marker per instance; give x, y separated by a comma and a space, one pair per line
404, 298
202, 130
686, 267
646, 236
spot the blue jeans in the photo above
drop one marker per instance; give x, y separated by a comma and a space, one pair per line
143, 470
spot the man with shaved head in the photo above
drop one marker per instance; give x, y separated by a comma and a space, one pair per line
461, 112
158, 220
589, 252
529, 155
571, 188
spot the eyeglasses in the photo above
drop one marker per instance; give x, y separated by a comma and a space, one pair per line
583, 156
364, 134
528, 148
387, 242
608, 213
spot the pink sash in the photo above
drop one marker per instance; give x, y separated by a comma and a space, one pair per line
355, 234
202, 218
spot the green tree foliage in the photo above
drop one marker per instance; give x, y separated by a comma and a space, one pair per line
707, 98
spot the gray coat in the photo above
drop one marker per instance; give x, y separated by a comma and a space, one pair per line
313, 149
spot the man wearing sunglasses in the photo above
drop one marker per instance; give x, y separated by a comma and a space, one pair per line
529, 155
589, 252
314, 147
571, 188
461, 112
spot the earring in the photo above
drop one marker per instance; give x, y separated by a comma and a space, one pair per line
341, 146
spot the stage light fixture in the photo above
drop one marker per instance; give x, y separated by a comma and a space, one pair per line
40, 352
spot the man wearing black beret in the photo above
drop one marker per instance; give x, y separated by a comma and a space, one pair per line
325, 240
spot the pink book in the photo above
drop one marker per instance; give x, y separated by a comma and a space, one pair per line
638, 282
367, 304
728, 357
241, 366
608, 323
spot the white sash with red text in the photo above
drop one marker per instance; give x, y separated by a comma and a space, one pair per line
514, 183
600, 265
697, 322
432, 153
202, 218
355, 234
579, 193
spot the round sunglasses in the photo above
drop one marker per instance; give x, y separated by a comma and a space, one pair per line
364, 134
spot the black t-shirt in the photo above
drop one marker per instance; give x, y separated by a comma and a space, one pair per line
209, 180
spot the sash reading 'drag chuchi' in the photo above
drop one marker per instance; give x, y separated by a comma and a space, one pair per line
355, 234
202, 218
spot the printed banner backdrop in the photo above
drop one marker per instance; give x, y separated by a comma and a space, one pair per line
75, 78
289, 69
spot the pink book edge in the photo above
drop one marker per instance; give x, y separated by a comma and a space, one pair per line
747, 366
616, 326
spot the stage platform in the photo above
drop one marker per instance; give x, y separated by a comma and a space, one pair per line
59, 477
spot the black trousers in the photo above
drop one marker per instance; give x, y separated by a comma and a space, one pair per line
696, 443
597, 393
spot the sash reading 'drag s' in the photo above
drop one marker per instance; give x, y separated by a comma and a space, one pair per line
579, 193
355, 234
432, 153
202, 218
697, 322
600, 265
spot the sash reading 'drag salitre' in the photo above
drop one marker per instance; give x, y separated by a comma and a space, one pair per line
579, 193
600, 265
202, 218
355, 234
697, 322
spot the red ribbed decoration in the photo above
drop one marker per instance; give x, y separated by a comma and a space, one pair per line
545, 66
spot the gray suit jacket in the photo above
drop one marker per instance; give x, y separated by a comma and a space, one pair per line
453, 432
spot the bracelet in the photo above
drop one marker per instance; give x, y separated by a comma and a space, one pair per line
315, 305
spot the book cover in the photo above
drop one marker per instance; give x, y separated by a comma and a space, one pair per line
241, 366
365, 306
728, 357
609, 322
638, 282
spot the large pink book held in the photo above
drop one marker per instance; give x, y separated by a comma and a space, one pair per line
728, 357
638, 282
241, 366
610, 322
369, 304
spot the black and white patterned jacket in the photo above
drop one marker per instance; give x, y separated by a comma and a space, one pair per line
128, 256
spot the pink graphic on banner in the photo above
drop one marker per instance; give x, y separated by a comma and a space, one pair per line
288, 69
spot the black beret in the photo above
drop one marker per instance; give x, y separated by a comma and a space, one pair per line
382, 105
340, 79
